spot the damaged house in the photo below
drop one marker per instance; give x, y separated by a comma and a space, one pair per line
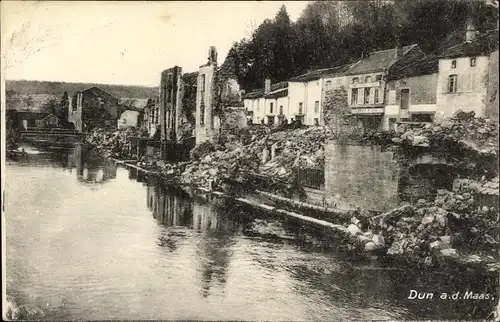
217, 90
132, 112
176, 104
93, 108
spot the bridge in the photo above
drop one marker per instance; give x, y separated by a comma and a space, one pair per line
51, 136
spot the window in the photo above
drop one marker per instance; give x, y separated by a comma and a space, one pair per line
258, 106
368, 79
367, 95
473, 62
169, 76
405, 98
316, 107
169, 95
354, 96
281, 109
316, 121
376, 94
452, 84
124, 121
202, 114
202, 83
378, 78
354, 80
329, 83
454, 63
271, 108
301, 106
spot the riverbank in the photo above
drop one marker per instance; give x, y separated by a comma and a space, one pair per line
373, 240
454, 228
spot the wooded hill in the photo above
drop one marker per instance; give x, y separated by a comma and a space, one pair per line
27, 87
333, 33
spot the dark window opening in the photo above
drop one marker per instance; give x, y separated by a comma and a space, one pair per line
452, 84
405, 98
354, 96
422, 117
202, 114
367, 95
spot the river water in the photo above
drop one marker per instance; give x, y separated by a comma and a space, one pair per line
87, 240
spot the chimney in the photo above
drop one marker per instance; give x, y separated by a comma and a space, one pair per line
398, 50
267, 85
470, 31
212, 55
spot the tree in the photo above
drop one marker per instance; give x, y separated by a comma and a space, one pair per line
62, 111
51, 106
29, 101
330, 33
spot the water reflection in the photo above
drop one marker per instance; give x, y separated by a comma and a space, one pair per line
172, 208
92, 168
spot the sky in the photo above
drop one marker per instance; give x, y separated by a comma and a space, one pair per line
126, 43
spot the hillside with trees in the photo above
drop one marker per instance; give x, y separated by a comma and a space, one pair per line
331, 33
27, 87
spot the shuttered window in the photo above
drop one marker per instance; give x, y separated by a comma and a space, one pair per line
452, 83
392, 97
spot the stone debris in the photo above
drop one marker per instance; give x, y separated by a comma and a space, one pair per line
241, 157
453, 220
463, 131
114, 144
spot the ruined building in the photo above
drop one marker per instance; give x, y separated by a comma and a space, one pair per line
217, 90
93, 108
170, 103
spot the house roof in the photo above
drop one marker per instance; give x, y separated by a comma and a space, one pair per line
260, 92
378, 61
278, 93
483, 45
424, 66
94, 89
317, 74
133, 103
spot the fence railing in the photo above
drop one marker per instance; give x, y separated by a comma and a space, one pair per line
311, 178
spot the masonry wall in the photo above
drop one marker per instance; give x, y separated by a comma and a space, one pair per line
492, 96
361, 176
205, 123
169, 101
128, 119
75, 111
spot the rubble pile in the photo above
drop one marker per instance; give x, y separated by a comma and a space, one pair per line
452, 224
235, 159
114, 144
463, 131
